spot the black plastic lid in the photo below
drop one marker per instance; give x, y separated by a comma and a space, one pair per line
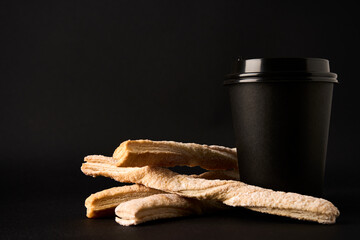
281, 69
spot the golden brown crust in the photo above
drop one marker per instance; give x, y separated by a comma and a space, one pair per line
138, 153
232, 193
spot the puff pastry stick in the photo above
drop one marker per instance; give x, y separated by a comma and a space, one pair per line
232, 193
161, 206
138, 153
103, 203
231, 174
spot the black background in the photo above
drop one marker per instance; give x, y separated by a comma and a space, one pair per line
80, 77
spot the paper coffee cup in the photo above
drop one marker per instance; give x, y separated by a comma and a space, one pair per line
281, 114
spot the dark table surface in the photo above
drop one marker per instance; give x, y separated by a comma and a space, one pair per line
61, 215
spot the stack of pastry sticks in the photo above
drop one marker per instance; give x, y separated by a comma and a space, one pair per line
161, 193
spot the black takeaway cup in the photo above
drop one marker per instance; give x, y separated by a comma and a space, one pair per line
281, 115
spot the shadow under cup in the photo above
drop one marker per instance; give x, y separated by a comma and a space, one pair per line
281, 115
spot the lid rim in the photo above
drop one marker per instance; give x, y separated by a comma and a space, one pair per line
277, 79
281, 69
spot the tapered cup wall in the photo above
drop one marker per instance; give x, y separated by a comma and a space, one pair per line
282, 133
281, 127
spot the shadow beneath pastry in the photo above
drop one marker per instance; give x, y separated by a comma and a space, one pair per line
231, 216
345, 199
246, 215
187, 170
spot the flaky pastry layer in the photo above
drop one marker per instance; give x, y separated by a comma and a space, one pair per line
137, 153
232, 193
103, 203
161, 206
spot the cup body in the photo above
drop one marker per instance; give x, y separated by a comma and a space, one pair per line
281, 128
